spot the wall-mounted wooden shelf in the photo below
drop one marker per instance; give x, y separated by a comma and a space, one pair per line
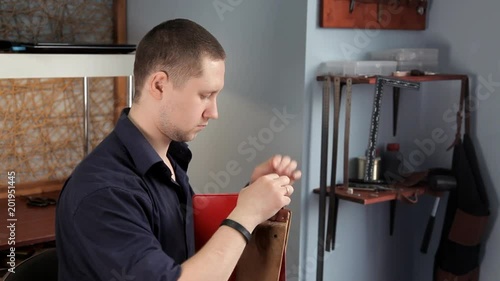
372, 79
359, 196
368, 197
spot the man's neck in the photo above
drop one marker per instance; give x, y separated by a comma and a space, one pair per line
158, 141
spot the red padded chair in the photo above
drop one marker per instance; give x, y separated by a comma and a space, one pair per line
264, 257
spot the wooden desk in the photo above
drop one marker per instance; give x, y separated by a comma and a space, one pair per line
34, 224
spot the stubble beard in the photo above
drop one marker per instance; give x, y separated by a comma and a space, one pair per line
171, 130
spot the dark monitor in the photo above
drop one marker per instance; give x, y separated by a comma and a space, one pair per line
66, 48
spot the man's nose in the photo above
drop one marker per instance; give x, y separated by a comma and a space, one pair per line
211, 112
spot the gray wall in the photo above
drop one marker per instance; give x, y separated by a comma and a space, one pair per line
265, 43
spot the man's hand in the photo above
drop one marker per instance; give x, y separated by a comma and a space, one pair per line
261, 200
281, 165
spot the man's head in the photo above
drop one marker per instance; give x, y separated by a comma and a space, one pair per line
179, 72
177, 48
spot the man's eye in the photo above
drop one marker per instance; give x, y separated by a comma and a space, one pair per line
205, 96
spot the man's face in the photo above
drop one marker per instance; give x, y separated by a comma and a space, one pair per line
186, 110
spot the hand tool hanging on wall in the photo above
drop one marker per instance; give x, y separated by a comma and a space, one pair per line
422, 7
379, 11
436, 183
351, 6
372, 139
392, 216
395, 107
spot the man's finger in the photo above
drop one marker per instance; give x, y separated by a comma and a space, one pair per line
285, 161
276, 160
272, 176
283, 180
291, 167
296, 175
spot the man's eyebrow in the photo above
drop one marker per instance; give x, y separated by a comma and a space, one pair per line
210, 92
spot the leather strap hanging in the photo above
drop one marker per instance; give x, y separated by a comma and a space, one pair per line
333, 206
464, 101
323, 176
347, 130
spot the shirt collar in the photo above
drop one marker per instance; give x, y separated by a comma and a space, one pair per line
141, 151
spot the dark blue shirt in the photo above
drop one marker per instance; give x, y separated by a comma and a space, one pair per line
121, 217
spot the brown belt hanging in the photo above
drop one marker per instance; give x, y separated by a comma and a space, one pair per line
329, 243
334, 201
323, 175
333, 206
464, 101
347, 131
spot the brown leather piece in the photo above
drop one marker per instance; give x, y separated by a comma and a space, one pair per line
464, 100
262, 258
281, 216
467, 229
442, 275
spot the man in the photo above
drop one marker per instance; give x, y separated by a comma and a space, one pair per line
124, 214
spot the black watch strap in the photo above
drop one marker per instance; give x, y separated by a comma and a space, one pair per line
238, 227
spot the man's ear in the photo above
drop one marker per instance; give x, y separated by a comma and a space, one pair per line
158, 83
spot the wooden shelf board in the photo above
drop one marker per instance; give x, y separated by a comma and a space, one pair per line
372, 79
367, 197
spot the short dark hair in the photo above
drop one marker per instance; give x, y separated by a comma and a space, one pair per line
177, 48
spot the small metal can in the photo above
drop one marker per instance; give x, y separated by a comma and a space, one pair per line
362, 165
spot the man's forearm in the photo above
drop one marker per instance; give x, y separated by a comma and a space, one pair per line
217, 259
